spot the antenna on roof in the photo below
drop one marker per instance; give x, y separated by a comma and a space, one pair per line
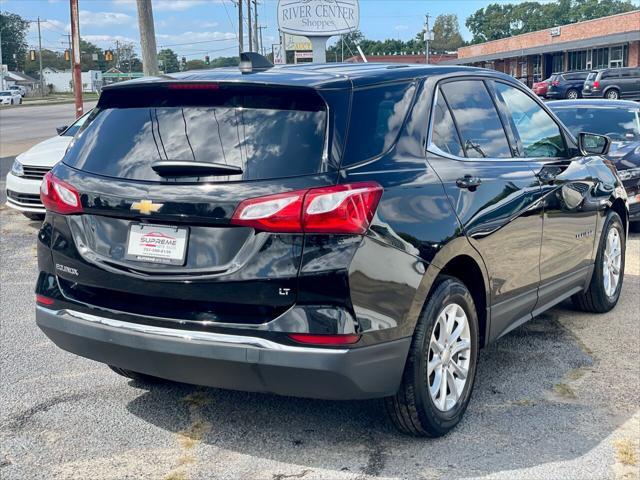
251, 62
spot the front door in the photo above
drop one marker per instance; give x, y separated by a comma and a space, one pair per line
569, 210
495, 196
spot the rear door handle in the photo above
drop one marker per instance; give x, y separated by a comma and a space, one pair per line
469, 182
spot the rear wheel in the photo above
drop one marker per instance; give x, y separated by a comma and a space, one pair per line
613, 94
572, 94
138, 377
606, 283
441, 365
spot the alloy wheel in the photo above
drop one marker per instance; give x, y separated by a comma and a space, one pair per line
449, 357
572, 95
612, 262
612, 95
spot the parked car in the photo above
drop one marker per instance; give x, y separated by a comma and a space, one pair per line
29, 168
613, 83
540, 88
620, 121
19, 89
10, 97
284, 230
567, 85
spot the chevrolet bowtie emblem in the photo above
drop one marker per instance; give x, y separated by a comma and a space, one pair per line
146, 207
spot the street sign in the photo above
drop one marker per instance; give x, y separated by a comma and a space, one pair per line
318, 18
303, 55
296, 43
279, 57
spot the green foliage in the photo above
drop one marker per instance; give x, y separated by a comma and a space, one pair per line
14, 43
446, 38
502, 20
196, 65
224, 62
446, 34
168, 61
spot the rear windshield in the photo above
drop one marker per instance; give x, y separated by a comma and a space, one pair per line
266, 134
592, 76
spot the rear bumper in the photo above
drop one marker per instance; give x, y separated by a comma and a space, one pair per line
592, 93
230, 361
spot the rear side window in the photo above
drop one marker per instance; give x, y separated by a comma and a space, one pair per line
444, 134
377, 115
267, 135
611, 74
539, 135
480, 128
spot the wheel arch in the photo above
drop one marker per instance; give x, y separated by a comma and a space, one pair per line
620, 208
460, 260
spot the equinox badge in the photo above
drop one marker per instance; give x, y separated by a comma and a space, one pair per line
146, 207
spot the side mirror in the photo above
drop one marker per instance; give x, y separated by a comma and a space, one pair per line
593, 144
61, 129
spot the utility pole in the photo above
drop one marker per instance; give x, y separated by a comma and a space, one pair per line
1, 64
255, 26
250, 31
75, 54
262, 50
240, 32
427, 37
40, 58
147, 38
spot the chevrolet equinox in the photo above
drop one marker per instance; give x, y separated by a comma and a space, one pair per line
325, 231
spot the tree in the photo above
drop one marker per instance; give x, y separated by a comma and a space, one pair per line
14, 43
125, 58
168, 61
498, 21
446, 34
92, 57
224, 62
196, 65
49, 59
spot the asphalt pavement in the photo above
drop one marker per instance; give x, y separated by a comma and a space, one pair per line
557, 398
24, 126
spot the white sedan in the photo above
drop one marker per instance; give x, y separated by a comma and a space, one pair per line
28, 169
10, 97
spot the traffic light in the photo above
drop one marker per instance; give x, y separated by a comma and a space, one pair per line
32, 55
67, 55
108, 56
206, 60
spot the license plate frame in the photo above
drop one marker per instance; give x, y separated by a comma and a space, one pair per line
157, 244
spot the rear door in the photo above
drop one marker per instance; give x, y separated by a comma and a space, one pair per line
567, 193
157, 241
630, 82
495, 196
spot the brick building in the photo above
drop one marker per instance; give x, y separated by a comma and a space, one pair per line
434, 58
602, 43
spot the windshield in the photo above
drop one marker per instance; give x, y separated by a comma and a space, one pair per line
620, 124
266, 135
5, 94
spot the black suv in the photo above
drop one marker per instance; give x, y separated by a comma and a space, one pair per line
613, 83
566, 85
326, 231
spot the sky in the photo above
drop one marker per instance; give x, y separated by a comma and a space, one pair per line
195, 28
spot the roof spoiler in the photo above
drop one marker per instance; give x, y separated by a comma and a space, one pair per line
251, 62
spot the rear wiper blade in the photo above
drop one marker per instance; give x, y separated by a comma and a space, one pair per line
188, 168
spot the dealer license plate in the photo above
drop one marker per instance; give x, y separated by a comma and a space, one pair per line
157, 244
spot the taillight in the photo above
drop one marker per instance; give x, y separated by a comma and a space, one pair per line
313, 339
347, 209
596, 84
58, 196
42, 300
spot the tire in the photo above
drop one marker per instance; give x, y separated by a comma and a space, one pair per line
412, 409
572, 94
138, 377
36, 217
612, 94
596, 298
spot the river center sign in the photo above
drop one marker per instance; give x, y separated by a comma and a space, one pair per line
318, 18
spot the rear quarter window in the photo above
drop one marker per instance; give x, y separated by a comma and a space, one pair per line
377, 115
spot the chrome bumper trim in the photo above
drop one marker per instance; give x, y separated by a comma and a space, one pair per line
184, 335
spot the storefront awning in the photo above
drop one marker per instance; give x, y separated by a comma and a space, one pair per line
595, 42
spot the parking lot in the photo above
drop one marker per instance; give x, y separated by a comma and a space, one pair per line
557, 398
